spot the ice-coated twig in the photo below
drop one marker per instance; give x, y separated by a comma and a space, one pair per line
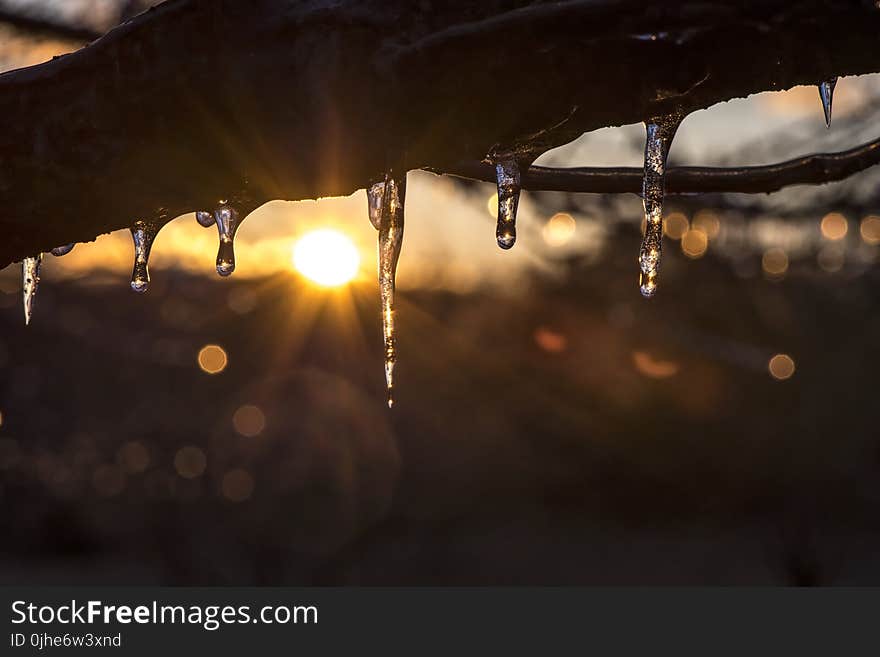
30, 281
390, 242
659, 135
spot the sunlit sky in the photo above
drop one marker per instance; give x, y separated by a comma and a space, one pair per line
449, 241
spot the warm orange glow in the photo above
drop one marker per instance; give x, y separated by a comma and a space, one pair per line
550, 341
326, 257
834, 226
654, 368
870, 229
676, 225
212, 359
559, 230
781, 367
775, 262
190, 462
249, 421
694, 243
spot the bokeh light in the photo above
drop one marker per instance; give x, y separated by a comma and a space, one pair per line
834, 226
550, 341
654, 368
675, 225
781, 367
326, 257
774, 262
694, 243
212, 359
559, 230
133, 457
237, 485
831, 258
249, 420
708, 222
190, 462
870, 229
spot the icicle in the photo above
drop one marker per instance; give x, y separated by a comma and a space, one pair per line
59, 251
142, 233
30, 281
660, 132
826, 93
227, 221
375, 194
205, 219
508, 178
390, 241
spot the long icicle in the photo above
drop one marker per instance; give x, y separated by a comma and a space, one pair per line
228, 220
30, 281
826, 94
660, 132
143, 233
509, 186
390, 242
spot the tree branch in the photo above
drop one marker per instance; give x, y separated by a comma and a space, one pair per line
44, 27
815, 169
202, 100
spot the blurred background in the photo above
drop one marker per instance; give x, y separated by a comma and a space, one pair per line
551, 426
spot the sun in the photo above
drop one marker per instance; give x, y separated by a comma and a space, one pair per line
326, 257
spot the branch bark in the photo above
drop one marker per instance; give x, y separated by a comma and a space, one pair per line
201, 100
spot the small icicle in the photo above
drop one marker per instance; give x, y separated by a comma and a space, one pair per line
59, 251
375, 194
30, 281
227, 220
390, 242
508, 178
660, 132
142, 233
205, 219
826, 93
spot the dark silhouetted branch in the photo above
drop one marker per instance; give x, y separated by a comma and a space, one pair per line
202, 100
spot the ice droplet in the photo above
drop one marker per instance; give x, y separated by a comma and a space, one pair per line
826, 93
390, 242
30, 281
660, 132
375, 194
142, 233
508, 178
205, 219
227, 220
59, 251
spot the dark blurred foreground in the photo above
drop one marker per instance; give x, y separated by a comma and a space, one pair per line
580, 435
